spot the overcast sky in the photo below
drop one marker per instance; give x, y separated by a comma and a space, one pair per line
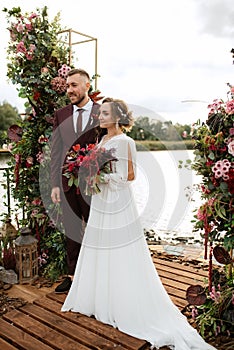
152, 53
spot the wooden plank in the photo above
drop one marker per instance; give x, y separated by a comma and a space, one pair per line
90, 323
180, 267
6, 346
174, 292
60, 298
167, 273
42, 332
42, 325
180, 303
175, 284
190, 274
70, 329
19, 338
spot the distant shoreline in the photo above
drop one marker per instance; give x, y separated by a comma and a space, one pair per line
149, 145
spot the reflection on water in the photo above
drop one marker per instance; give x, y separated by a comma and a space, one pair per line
161, 191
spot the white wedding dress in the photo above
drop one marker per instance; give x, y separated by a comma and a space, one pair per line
115, 279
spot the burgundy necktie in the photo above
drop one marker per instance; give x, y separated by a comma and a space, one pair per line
79, 121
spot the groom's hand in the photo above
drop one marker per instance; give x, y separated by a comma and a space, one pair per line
55, 195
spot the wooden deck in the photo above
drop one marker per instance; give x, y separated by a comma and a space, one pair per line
41, 326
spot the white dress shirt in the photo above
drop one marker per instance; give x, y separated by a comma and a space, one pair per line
85, 115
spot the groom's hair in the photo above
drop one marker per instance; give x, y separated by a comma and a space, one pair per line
80, 71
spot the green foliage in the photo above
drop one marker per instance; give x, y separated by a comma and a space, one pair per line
35, 55
214, 219
214, 161
146, 129
216, 315
8, 116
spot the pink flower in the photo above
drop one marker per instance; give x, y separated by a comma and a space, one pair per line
59, 84
215, 295
231, 131
40, 157
205, 189
20, 47
28, 26
221, 168
194, 312
29, 54
201, 215
17, 158
215, 107
19, 27
29, 162
10, 147
33, 15
230, 107
62, 72
44, 70
231, 148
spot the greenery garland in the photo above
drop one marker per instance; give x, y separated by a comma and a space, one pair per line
38, 61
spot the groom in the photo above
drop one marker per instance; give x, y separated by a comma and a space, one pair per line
72, 126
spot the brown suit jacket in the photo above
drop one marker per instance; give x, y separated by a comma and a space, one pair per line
64, 137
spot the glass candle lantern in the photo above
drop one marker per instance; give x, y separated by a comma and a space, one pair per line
26, 256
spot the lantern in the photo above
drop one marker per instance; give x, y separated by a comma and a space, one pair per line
26, 256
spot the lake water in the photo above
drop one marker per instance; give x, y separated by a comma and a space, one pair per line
161, 191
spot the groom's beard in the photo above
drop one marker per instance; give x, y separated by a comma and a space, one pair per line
78, 101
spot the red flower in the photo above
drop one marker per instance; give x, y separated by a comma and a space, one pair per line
76, 147
230, 181
36, 95
84, 164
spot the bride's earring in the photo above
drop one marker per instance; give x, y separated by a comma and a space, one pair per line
117, 124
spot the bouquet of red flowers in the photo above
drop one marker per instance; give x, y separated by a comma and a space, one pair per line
85, 167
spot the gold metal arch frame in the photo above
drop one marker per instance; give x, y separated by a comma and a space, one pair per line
87, 38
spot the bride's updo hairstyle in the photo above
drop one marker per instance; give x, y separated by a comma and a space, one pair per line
121, 113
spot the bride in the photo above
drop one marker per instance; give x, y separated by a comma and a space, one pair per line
115, 279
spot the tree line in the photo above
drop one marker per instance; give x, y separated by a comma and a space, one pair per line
143, 129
